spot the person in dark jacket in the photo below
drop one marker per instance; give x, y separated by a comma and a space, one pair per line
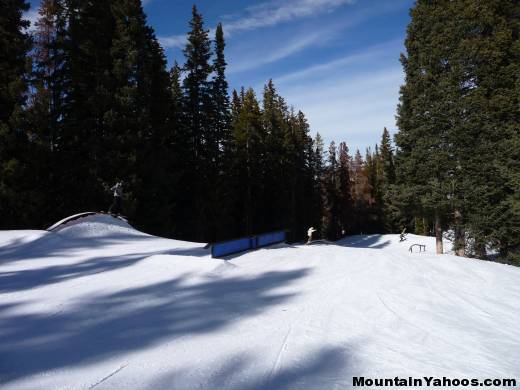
117, 204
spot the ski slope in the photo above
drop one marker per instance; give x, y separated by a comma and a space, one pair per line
100, 305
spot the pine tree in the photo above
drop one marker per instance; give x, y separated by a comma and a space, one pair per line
275, 121
221, 192
197, 108
297, 156
88, 96
424, 116
219, 93
319, 195
346, 207
46, 107
331, 215
156, 183
361, 194
391, 220
386, 153
457, 109
248, 139
14, 147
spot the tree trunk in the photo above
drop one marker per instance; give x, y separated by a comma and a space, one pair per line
438, 235
480, 249
460, 235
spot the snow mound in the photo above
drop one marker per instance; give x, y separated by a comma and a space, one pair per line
10, 237
97, 225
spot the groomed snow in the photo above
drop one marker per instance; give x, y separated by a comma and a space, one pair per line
100, 305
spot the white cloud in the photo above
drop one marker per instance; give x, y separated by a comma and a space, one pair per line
324, 69
276, 54
266, 14
274, 12
351, 98
173, 41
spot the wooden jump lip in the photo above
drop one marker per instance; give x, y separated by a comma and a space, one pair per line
74, 217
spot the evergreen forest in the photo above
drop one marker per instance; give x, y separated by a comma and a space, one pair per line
87, 99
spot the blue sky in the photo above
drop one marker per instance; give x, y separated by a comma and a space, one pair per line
336, 60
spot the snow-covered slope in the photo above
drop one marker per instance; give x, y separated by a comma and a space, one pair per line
100, 305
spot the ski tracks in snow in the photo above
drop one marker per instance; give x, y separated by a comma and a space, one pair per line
278, 361
115, 372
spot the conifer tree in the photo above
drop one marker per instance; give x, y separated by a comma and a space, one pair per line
88, 96
455, 114
389, 215
45, 108
319, 195
275, 122
361, 194
14, 45
331, 214
297, 155
143, 91
197, 109
248, 139
177, 143
386, 153
424, 116
346, 209
220, 194
219, 93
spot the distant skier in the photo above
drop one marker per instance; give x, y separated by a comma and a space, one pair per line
402, 236
310, 232
117, 204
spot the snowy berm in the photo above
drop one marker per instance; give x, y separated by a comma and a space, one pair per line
98, 304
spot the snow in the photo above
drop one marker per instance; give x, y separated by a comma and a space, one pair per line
100, 305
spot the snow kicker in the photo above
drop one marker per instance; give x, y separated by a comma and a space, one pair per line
74, 218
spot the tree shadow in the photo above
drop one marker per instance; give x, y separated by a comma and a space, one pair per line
53, 244
104, 325
325, 368
372, 241
268, 247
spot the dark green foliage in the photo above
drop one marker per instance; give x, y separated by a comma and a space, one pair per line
84, 155
458, 118
202, 141
46, 108
199, 165
331, 218
14, 146
345, 203
275, 123
220, 195
248, 165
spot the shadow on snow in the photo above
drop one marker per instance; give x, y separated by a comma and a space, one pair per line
103, 325
372, 241
324, 368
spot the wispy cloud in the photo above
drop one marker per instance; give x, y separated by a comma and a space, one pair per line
351, 98
324, 69
267, 14
275, 12
173, 41
353, 109
287, 49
